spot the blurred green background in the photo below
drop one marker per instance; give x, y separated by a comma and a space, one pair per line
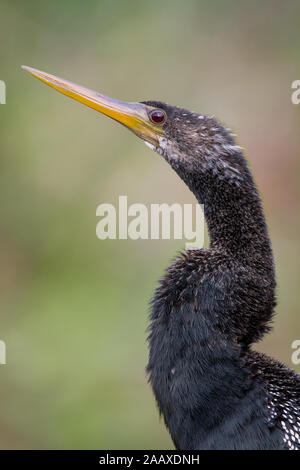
73, 308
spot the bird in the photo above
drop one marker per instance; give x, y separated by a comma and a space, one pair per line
213, 304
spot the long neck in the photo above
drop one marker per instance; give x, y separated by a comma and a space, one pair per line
234, 216
232, 209
240, 250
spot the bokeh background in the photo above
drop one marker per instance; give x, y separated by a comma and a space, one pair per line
73, 308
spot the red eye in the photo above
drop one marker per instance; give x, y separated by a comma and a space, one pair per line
157, 116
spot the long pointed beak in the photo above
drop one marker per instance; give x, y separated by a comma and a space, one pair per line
135, 116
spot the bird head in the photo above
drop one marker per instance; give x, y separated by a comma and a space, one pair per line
190, 142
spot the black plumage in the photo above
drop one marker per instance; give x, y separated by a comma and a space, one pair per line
212, 304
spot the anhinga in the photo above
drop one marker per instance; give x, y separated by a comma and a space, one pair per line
212, 304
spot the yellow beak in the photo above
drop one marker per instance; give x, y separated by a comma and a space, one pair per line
135, 116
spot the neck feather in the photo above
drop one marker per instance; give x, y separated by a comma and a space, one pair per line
232, 206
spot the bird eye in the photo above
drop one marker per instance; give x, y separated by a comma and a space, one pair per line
157, 116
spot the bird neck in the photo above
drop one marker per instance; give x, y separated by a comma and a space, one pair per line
232, 209
235, 219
